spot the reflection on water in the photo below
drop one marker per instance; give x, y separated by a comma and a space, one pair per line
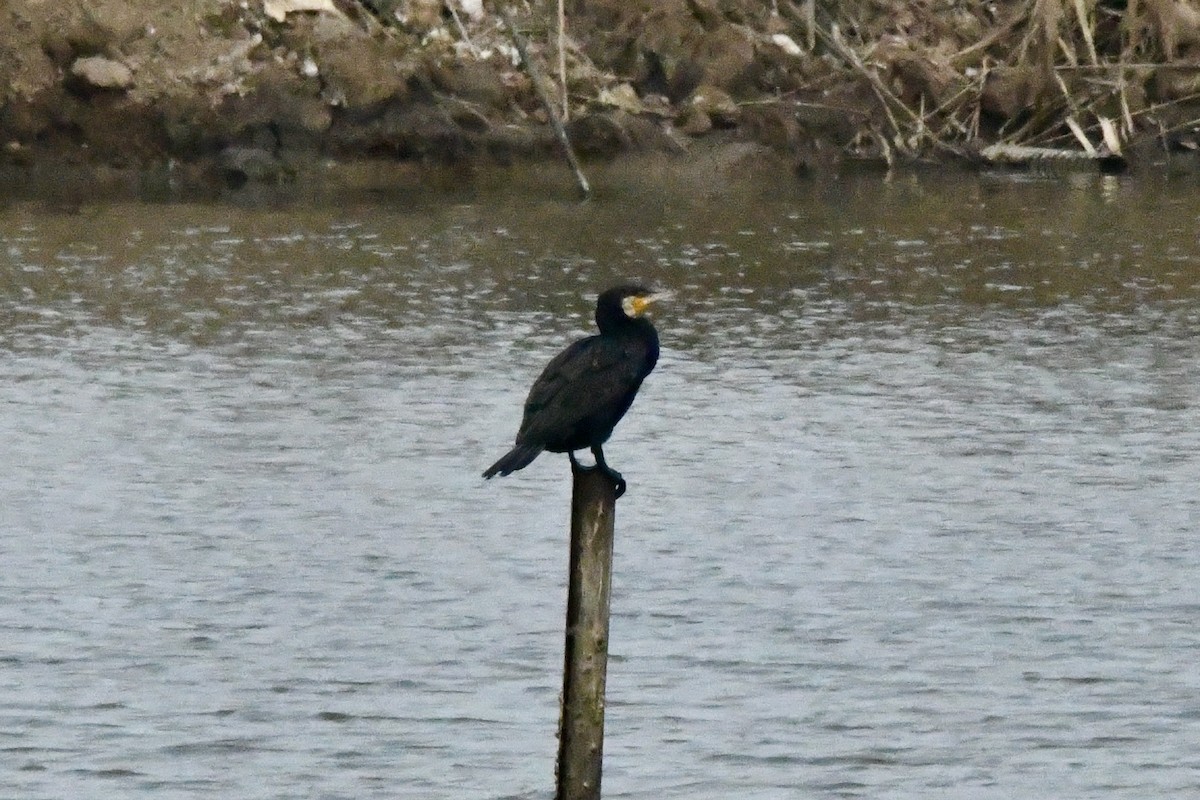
911, 512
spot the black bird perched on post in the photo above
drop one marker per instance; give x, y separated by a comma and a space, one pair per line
578, 399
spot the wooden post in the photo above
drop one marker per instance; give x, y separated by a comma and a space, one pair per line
585, 664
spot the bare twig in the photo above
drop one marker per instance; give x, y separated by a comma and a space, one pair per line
462, 31
1085, 26
535, 76
834, 40
1081, 137
1108, 133
887, 99
1126, 115
562, 60
987, 41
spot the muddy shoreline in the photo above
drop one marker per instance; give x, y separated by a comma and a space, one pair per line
221, 93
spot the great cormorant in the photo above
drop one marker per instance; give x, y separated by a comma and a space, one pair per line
578, 399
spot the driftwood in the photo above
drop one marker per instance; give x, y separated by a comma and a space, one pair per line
1019, 155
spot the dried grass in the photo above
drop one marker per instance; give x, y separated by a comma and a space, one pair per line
1088, 74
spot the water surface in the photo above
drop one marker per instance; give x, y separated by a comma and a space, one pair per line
912, 501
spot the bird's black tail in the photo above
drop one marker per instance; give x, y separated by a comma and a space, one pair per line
514, 459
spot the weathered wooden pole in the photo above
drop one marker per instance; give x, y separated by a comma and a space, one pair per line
585, 663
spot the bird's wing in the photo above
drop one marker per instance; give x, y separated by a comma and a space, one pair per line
593, 373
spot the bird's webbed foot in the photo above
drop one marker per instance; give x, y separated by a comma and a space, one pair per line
614, 476
618, 480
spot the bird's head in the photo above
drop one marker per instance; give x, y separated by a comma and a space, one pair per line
635, 299
620, 304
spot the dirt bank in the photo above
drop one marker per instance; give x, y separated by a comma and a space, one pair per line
254, 90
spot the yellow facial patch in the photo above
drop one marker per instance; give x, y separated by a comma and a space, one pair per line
635, 306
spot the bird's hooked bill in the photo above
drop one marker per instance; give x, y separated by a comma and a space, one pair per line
639, 303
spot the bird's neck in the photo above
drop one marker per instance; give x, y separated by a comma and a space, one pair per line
639, 327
